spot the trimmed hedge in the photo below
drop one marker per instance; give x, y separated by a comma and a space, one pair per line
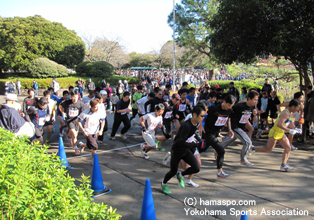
34, 185
45, 68
95, 69
68, 81
224, 84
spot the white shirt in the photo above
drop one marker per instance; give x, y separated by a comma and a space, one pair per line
152, 121
141, 104
188, 117
92, 120
86, 99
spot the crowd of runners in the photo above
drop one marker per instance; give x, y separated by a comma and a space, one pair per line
192, 120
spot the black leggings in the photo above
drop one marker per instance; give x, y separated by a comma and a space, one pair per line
134, 113
101, 137
211, 140
117, 121
188, 157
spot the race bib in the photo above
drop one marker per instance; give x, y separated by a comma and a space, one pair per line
191, 139
73, 112
92, 124
182, 107
221, 121
41, 121
245, 118
123, 113
152, 126
287, 122
168, 115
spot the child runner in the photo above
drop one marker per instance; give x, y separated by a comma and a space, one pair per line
93, 126
150, 123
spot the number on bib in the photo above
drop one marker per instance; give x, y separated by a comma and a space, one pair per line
41, 121
182, 107
73, 112
245, 118
168, 115
221, 121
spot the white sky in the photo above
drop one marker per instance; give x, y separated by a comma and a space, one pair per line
141, 25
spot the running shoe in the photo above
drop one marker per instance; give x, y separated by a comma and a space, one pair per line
165, 189
166, 158
160, 148
259, 133
112, 138
144, 154
247, 163
223, 175
293, 148
124, 136
77, 152
80, 145
191, 183
181, 180
251, 150
286, 168
220, 135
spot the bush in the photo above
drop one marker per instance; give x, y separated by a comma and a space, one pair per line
34, 185
95, 69
65, 82
224, 84
45, 68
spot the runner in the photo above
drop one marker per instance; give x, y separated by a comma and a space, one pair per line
137, 96
38, 115
52, 109
219, 116
29, 101
121, 116
70, 110
240, 118
277, 133
155, 101
65, 96
150, 123
103, 110
141, 105
183, 148
92, 129
182, 109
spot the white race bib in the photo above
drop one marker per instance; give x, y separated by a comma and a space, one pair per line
245, 118
123, 113
41, 121
221, 121
182, 107
73, 112
168, 115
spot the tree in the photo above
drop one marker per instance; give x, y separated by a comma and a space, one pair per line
192, 24
45, 68
25, 39
103, 49
245, 29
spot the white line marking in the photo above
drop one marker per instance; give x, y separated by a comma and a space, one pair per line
106, 151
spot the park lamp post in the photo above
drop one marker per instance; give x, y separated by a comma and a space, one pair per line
174, 47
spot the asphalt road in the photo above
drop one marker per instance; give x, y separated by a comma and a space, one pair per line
261, 188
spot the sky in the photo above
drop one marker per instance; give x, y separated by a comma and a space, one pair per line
140, 25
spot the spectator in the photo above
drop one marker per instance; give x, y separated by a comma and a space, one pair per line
126, 85
109, 90
90, 85
18, 87
104, 83
243, 96
11, 87
35, 87
233, 91
55, 85
268, 87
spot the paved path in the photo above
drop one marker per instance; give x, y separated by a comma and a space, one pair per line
263, 186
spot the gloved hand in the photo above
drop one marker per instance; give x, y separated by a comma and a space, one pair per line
292, 131
143, 128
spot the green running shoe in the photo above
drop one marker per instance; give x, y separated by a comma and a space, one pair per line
165, 189
160, 148
181, 180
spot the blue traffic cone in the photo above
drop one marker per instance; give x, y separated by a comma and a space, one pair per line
62, 155
148, 209
97, 182
244, 216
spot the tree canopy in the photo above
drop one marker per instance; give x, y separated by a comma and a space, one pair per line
25, 39
245, 29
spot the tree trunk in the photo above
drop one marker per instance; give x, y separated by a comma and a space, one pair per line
307, 80
210, 74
